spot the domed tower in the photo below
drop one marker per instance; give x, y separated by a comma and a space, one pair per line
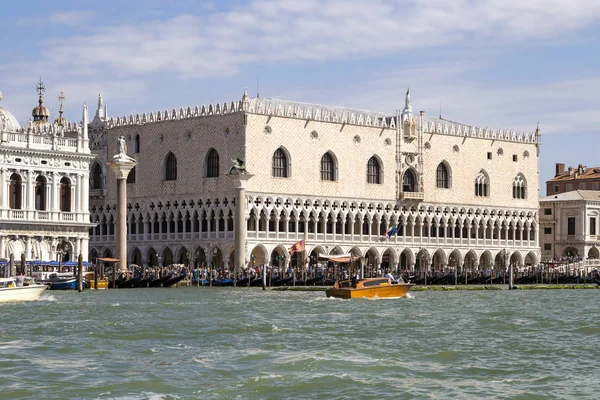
61, 121
40, 113
8, 122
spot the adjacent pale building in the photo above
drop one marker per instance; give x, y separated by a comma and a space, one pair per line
569, 225
457, 195
44, 170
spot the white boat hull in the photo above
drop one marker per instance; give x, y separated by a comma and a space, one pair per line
21, 293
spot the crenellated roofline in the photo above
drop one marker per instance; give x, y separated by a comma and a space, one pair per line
319, 112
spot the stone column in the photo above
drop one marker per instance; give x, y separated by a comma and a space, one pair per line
239, 184
28, 247
121, 166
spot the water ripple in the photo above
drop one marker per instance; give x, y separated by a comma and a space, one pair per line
243, 343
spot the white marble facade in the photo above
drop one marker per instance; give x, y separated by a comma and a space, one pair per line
459, 195
44, 196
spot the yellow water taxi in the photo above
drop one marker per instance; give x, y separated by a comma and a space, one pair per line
102, 283
368, 288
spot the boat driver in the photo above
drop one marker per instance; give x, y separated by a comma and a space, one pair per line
390, 277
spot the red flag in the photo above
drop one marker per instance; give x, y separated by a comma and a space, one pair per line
297, 247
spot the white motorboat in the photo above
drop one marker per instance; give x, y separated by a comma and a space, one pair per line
12, 289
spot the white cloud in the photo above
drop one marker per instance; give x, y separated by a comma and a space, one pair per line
220, 43
67, 18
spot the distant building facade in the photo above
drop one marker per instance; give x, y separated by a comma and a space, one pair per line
458, 195
569, 225
44, 170
566, 180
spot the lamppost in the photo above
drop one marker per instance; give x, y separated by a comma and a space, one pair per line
159, 259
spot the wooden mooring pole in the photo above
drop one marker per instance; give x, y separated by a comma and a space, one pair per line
80, 273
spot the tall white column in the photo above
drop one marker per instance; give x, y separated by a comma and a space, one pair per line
79, 194
4, 189
239, 183
121, 166
54, 203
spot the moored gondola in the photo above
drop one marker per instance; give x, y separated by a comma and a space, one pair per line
174, 279
158, 282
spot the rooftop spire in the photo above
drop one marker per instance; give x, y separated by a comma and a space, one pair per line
40, 113
61, 121
100, 109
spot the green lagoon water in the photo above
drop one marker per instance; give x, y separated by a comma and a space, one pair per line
226, 343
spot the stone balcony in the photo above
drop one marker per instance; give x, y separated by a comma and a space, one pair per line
417, 196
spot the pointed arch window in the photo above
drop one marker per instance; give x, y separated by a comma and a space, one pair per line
171, 167
136, 144
212, 164
408, 181
16, 191
519, 187
482, 185
40, 193
373, 171
65, 194
442, 176
97, 178
327, 167
280, 164
131, 176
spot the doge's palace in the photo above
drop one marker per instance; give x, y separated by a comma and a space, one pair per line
44, 170
450, 195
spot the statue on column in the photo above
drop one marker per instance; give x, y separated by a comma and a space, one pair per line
122, 154
238, 167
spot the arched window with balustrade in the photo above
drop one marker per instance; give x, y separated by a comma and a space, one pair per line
15, 192
40, 193
409, 181
65, 194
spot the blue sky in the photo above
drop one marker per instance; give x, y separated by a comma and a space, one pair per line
495, 63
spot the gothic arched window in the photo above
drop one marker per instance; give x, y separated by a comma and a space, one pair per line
131, 176
482, 185
373, 171
442, 176
519, 187
280, 164
171, 167
96, 182
40, 193
136, 144
16, 191
212, 164
327, 167
65, 194
408, 181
